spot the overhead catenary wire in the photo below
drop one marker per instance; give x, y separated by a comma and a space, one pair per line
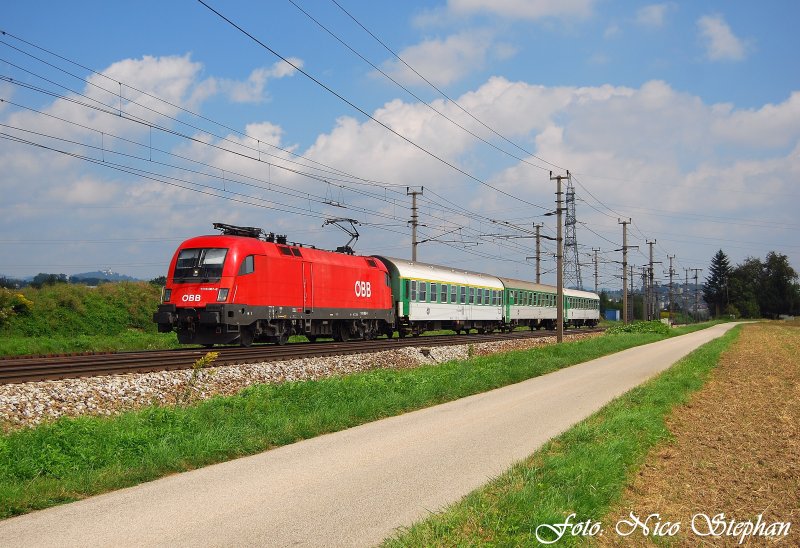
120, 113
364, 112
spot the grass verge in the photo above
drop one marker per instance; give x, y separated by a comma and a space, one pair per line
582, 471
73, 458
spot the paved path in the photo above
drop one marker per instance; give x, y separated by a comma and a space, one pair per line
352, 488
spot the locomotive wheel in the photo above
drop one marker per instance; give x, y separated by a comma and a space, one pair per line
344, 332
311, 338
246, 337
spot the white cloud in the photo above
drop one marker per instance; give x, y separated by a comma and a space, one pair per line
645, 147
445, 61
524, 9
252, 90
653, 15
611, 31
85, 191
721, 44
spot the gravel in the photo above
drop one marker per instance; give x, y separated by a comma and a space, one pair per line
33, 403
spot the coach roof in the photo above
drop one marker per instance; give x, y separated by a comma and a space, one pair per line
439, 274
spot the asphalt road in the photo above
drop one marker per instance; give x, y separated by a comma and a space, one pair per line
352, 488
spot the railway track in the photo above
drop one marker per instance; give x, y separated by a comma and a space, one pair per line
28, 369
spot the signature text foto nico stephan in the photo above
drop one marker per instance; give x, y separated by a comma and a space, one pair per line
652, 526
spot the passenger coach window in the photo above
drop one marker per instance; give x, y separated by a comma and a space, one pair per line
443, 294
463, 295
471, 295
248, 265
413, 296
434, 292
423, 292
454, 294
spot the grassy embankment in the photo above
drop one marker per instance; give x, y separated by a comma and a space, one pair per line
74, 458
583, 471
66, 318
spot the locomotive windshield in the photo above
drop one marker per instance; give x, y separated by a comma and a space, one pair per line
199, 263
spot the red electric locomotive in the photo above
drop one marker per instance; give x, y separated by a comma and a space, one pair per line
244, 286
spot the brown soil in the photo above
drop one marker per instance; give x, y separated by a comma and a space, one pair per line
735, 450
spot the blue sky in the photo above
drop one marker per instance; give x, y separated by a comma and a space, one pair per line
684, 116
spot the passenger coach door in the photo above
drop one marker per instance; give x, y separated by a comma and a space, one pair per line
308, 287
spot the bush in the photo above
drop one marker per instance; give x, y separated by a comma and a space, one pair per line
639, 327
12, 304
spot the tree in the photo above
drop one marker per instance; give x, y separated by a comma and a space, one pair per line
43, 279
715, 290
744, 287
779, 293
160, 281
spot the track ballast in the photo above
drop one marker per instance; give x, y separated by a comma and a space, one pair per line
29, 369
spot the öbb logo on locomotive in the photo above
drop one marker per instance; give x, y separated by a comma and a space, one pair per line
246, 285
363, 289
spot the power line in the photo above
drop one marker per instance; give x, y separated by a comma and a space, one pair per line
443, 94
362, 111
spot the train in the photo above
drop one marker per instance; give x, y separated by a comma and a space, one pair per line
245, 285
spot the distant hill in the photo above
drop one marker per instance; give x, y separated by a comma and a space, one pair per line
106, 275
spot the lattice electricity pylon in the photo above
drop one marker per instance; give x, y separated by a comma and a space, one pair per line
572, 266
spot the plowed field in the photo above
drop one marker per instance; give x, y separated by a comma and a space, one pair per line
735, 451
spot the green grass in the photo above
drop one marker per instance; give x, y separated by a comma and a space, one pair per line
583, 470
76, 457
130, 340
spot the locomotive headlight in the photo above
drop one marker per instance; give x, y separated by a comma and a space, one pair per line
166, 296
222, 295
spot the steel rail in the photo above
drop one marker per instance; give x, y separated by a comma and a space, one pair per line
31, 369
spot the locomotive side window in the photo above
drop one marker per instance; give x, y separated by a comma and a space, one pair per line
370, 262
200, 263
285, 251
248, 265
296, 252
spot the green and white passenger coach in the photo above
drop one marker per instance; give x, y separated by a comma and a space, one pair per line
430, 297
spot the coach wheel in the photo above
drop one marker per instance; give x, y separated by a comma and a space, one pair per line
246, 337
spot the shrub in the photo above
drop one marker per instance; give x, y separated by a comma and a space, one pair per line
639, 327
